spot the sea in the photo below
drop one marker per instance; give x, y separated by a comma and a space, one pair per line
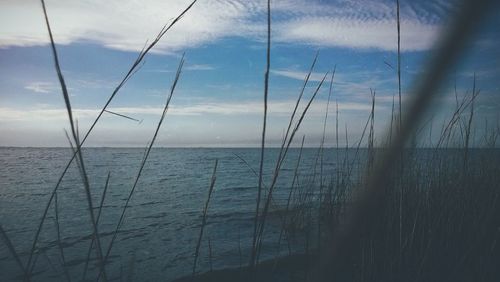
158, 237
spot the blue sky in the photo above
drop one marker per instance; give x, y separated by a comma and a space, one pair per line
219, 97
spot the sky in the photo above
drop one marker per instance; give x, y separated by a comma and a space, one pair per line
219, 99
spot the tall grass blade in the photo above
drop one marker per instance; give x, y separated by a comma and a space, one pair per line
59, 244
289, 199
148, 150
321, 154
361, 215
122, 115
280, 162
75, 138
133, 69
87, 260
204, 219
12, 250
263, 141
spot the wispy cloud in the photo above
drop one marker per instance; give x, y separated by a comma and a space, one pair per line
41, 87
354, 84
93, 83
126, 25
358, 33
277, 108
298, 75
189, 67
199, 67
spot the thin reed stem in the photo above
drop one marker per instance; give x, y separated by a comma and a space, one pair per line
362, 214
204, 220
164, 113
263, 140
321, 147
399, 61
292, 189
279, 162
133, 69
87, 260
469, 126
59, 244
12, 250
76, 140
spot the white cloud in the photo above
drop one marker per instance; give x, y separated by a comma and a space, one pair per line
353, 84
364, 34
41, 87
199, 67
43, 114
117, 24
125, 25
298, 75
276, 108
45, 87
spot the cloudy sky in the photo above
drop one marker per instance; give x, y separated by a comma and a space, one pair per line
219, 97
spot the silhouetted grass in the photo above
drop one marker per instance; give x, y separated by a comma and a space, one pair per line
204, 220
103, 196
342, 243
133, 69
414, 215
78, 153
59, 244
254, 253
12, 250
148, 150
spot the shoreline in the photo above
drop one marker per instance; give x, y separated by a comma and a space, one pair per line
294, 267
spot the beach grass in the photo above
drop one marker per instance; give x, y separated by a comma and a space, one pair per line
395, 210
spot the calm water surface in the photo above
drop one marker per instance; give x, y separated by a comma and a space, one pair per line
158, 237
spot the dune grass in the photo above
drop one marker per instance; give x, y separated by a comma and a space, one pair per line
146, 155
253, 256
133, 69
414, 215
204, 220
78, 153
103, 196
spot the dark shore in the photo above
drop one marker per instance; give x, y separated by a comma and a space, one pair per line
289, 268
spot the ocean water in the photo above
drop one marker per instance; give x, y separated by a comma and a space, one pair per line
158, 236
